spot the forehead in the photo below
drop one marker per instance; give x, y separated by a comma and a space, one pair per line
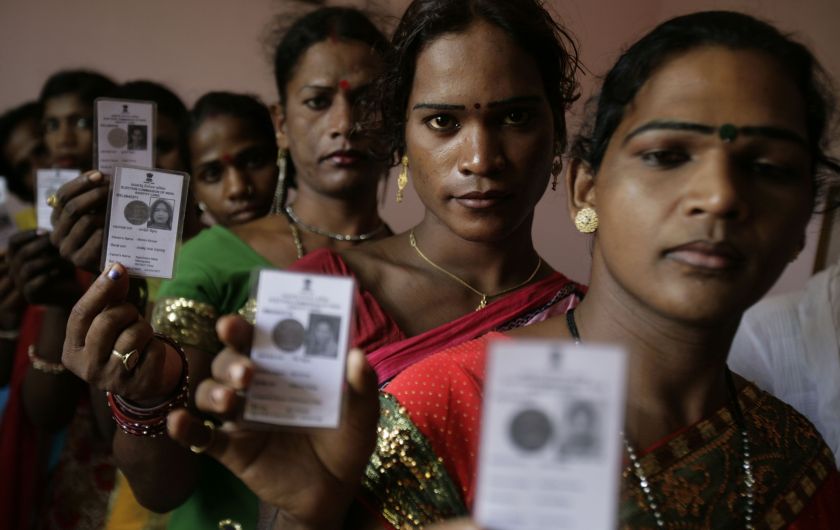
716, 85
477, 65
222, 128
328, 61
64, 105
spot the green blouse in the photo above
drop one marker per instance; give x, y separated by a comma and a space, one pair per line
212, 278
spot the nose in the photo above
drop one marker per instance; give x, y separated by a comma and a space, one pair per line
482, 152
716, 190
238, 185
341, 117
66, 133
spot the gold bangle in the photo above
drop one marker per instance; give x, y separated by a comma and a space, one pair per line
41, 365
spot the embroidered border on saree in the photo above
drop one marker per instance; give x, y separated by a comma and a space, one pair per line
699, 471
189, 322
405, 479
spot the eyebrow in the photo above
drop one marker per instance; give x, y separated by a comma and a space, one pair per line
766, 131
492, 104
316, 87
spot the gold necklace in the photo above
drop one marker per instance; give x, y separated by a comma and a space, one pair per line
296, 240
484, 296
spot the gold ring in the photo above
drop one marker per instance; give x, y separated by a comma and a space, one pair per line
198, 449
128, 359
229, 524
52, 200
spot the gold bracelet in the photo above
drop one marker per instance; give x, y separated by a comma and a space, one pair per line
41, 365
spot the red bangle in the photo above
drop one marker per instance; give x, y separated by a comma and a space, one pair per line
151, 421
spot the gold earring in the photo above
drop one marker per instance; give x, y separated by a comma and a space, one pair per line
586, 220
280, 190
402, 179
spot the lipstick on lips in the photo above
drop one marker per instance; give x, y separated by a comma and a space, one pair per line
708, 255
344, 157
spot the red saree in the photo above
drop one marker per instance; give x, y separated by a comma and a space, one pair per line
390, 351
432, 413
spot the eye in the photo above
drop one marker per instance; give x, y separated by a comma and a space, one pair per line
772, 170
664, 158
517, 117
318, 102
51, 125
442, 123
255, 160
211, 173
83, 123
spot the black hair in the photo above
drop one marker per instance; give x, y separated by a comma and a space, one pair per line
168, 104
343, 23
9, 121
728, 29
244, 107
526, 22
86, 84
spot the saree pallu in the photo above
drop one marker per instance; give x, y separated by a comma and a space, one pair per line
424, 466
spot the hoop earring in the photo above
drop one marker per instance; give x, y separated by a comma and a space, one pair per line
280, 191
402, 179
586, 220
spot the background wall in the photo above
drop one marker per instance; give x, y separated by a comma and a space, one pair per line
199, 45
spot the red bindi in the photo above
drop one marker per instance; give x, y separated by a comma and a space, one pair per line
344, 85
227, 159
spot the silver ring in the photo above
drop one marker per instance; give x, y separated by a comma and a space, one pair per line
129, 360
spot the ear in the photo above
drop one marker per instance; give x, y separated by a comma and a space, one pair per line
580, 187
278, 114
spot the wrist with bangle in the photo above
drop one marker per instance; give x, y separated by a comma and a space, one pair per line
41, 364
140, 420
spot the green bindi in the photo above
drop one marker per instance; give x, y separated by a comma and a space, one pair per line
728, 132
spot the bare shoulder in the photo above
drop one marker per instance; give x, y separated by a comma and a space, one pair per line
270, 237
376, 261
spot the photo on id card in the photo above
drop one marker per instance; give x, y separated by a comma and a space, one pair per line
124, 134
144, 220
550, 450
301, 338
48, 181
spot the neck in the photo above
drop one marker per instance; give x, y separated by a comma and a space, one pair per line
356, 214
676, 369
488, 267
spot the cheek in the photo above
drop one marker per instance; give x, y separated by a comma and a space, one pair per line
210, 194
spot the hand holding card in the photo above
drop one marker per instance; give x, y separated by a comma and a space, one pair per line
48, 183
78, 219
550, 447
298, 472
144, 220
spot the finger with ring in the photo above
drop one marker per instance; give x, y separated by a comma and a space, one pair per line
201, 448
52, 200
129, 359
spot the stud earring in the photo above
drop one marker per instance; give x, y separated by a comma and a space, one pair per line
402, 178
586, 220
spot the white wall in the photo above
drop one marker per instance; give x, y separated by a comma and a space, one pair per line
199, 45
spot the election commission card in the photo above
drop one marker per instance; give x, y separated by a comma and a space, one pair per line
144, 220
301, 338
550, 454
124, 134
48, 182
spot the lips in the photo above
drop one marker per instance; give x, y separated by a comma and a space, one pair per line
66, 161
481, 199
707, 255
245, 214
344, 157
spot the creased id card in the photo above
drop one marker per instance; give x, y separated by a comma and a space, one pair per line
144, 220
550, 454
301, 338
49, 180
124, 134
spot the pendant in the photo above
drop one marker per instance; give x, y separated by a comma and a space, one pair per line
483, 303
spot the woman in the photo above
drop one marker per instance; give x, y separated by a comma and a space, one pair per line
233, 155
474, 167
161, 215
703, 165
321, 65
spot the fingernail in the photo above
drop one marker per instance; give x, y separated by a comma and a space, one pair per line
95, 177
218, 395
114, 273
237, 372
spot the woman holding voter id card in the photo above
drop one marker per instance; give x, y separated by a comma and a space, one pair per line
697, 176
